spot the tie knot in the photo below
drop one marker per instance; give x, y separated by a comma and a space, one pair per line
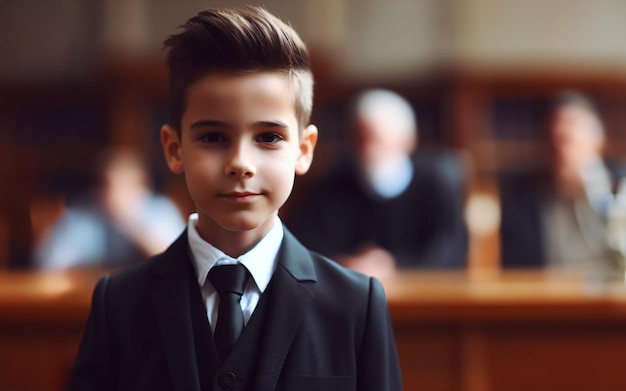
229, 278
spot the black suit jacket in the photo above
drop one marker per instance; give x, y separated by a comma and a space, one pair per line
327, 328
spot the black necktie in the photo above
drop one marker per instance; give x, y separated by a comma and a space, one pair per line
229, 282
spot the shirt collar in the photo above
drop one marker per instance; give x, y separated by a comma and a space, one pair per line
260, 260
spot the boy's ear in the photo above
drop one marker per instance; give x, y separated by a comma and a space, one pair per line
171, 149
308, 139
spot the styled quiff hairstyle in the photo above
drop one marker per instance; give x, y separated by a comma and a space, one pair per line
240, 40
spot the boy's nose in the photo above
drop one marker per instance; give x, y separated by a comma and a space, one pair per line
240, 164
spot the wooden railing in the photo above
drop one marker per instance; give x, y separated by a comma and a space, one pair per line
454, 331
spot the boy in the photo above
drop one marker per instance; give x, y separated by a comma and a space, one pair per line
241, 99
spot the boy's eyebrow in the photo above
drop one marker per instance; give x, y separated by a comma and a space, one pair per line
271, 124
211, 123
202, 123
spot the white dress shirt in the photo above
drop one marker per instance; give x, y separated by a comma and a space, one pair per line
260, 262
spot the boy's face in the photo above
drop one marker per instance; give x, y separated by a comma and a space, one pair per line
239, 149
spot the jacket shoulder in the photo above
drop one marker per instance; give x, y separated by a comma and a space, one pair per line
137, 277
327, 268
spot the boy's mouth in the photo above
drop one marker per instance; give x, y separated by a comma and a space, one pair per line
243, 197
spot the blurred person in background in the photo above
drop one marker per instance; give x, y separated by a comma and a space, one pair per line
560, 219
121, 221
386, 207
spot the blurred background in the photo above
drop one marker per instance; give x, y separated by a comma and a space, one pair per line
79, 78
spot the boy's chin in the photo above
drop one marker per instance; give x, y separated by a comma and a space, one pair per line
247, 224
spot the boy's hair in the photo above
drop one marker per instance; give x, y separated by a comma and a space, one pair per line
240, 40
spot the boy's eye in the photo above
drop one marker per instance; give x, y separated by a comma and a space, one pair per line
269, 138
213, 137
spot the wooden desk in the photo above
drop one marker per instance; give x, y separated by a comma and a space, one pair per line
511, 331
41, 321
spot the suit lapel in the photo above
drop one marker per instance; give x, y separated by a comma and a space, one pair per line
290, 300
171, 302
